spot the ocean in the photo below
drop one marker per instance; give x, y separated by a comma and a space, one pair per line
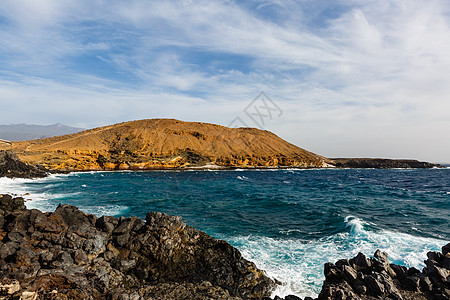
289, 222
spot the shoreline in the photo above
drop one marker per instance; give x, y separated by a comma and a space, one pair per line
401, 284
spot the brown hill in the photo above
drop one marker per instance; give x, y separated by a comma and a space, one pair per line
163, 143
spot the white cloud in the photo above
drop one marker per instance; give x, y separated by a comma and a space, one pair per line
368, 71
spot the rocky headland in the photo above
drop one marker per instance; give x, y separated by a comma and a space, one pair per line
12, 167
381, 163
375, 278
164, 144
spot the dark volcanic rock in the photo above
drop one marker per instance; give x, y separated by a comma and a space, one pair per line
68, 254
381, 163
9, 203
11, 166
378, 279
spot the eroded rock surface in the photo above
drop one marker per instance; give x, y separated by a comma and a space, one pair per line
381, 163
375, 278
68, 254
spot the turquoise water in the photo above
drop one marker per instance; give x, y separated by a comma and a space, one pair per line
289, 222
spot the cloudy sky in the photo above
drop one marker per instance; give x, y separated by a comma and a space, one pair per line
348, 78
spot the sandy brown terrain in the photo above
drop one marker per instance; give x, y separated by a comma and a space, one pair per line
163, 143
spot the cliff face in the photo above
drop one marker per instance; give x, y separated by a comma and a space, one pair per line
68, 254
163, 143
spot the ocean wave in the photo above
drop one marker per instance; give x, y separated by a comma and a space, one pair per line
298, 263
107, 210
34, 191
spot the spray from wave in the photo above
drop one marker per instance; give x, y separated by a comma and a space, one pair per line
39, 194
298, 264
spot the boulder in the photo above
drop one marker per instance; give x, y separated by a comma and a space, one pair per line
9, 203
376, 278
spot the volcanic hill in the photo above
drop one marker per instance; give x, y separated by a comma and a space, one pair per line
163, 144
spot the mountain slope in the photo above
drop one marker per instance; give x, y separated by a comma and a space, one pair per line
23, 132
164, 143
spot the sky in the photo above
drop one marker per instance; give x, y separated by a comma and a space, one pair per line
353, 78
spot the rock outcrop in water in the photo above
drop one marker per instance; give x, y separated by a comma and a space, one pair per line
12, 167
368, 278
68, 254
164, 144
381, 163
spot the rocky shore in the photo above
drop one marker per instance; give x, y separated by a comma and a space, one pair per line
68, 254
12, 167
381, 163
375, 278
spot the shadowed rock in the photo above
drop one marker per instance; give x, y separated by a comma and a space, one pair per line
68, 254
376, 278
12, 167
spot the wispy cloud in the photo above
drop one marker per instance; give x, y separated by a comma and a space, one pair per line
346, 73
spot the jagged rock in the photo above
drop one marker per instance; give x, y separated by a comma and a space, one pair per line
411, 283
446, 249
68, 254
376, 278
292, 297
9, 203
11, 167
9, 287
380, 163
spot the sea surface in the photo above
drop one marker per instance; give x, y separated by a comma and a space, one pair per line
289, 222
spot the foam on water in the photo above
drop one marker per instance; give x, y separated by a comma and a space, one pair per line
298, 264
36, 197
24, 187
289, 222
108, 210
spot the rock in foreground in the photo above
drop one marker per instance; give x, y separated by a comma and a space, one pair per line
375, 278
164, 144
69, 254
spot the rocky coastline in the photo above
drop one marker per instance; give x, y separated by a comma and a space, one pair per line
68, 254
381, 163
376, 278
12, 167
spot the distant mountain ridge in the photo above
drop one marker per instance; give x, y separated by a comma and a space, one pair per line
164, 144
24, 132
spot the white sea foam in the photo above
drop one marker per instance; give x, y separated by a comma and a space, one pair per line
107, 210
34, 190
298, 264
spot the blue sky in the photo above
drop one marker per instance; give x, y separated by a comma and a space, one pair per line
352, 78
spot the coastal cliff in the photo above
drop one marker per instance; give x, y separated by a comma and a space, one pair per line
164, 144
68, 254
